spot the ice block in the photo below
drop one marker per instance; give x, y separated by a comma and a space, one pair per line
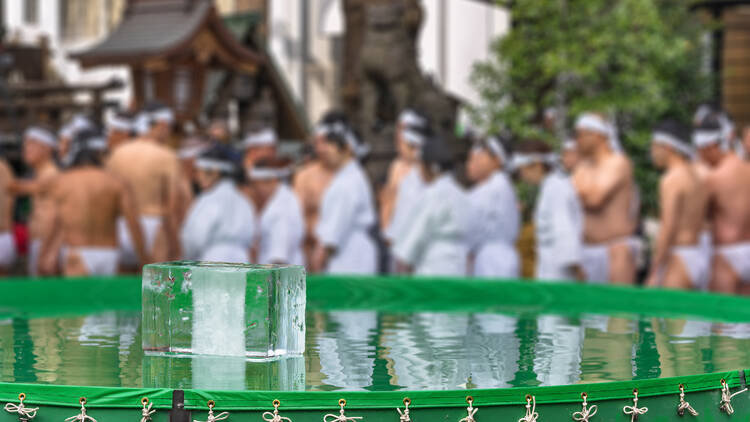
205, 308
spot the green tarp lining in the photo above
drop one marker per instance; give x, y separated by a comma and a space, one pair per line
48, 297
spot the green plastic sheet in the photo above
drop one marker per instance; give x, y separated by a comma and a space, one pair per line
50, 297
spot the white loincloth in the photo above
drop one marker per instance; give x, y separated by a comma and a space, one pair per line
7, 250
150, 226
738, 257
595, 258
226, 252
706, 241
35, 248
99, 261
496, 259
697, 264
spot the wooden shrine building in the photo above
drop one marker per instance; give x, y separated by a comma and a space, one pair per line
181, 52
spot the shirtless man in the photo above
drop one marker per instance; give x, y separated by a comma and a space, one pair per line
7, 202
604, 181
87, 203
679, 261
153, 172
119, 130
39, 145
310, 183
729, 209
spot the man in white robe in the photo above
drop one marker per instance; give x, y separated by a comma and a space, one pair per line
493, 207
558, 217
347, 211
281, 228
434, 242
220, 225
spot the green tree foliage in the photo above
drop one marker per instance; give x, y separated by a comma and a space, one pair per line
636, 60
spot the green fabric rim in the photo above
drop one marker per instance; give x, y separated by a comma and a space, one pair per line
49, 297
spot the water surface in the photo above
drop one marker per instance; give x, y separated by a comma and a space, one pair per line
381, 352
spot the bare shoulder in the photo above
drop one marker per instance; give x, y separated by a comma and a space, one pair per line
619, 162
581, 171
6, 172
674, 179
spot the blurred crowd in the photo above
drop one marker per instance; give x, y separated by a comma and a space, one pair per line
108, 200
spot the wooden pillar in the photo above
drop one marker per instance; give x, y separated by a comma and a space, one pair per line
735, 63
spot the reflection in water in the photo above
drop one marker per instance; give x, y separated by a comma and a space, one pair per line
377, 351
558, 351
347, 352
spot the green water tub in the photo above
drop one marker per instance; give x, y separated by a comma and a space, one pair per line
50, 298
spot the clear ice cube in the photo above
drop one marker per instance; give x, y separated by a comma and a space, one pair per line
207, 308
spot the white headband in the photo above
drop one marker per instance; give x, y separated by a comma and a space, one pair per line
704, 138
265, 137
97, 144
119, 123
350, 138
77, 124
191, 151
142, 124
412, 137
663, 138
522, 160
496, 148
268, 173
593, 123
409, 117
41, 135
214, 164
165, 115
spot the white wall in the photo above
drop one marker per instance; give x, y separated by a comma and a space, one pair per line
285, 40
468, 31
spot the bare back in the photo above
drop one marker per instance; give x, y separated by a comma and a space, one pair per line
6, 199
88, 203
609, 198
691, 194
152, 170
310, 184
729, 192
43, 206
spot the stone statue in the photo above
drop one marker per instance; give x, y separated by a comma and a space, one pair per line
381, 74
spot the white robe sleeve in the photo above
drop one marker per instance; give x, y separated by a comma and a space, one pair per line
411, 243
280, 238
566, 224
476, 218
198, 227
337, 214
509, 217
